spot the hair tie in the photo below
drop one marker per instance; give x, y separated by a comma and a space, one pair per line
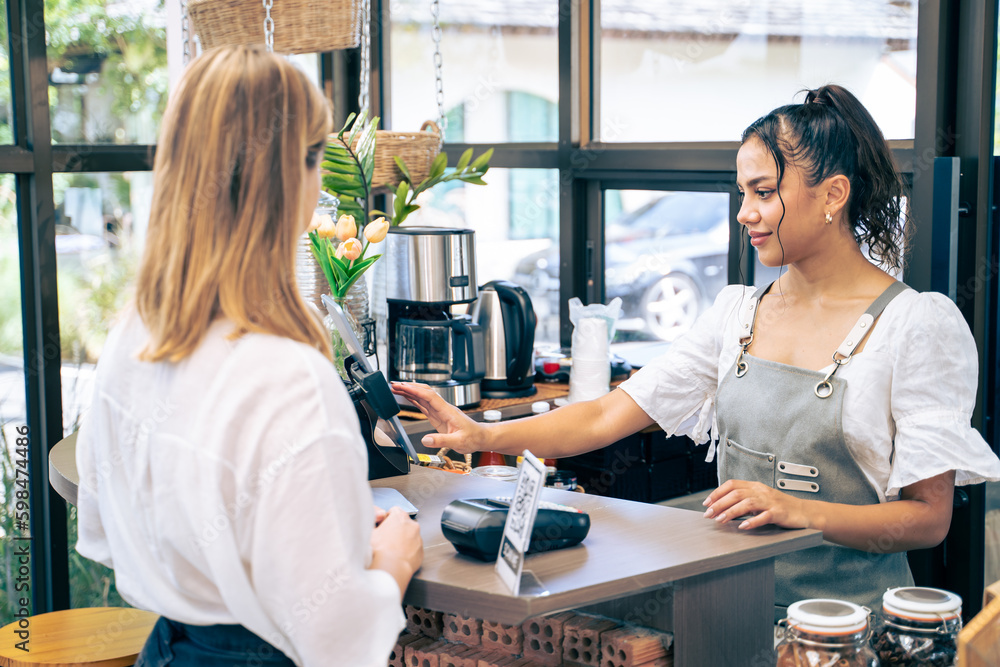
815, 98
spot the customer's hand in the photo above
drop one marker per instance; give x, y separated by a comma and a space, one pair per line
737, 498
456, 430
397, 547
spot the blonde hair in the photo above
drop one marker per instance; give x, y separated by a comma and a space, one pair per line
227, 210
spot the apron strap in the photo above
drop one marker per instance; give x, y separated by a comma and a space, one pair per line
854, 337
748, 318
864, 325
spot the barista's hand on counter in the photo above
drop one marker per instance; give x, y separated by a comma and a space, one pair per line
737, 498
455, 430
397, 547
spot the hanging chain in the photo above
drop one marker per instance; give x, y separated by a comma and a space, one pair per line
364, 84
185, 33
436, 34
268, 26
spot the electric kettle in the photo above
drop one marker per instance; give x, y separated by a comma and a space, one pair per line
507, 318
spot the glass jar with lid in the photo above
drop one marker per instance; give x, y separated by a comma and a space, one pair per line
919, 627
823, 633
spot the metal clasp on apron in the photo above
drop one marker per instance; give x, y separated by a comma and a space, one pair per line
742, 366
824, 388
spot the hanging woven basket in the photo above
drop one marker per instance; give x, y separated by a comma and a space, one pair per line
300, 26
417, 149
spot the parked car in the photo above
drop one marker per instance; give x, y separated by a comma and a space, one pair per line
667, 261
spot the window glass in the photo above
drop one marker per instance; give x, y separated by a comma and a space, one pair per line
101, 222
703, 71
6, 109
13, 407
491, 52
666, 256
107, 70
100, 226
516, 242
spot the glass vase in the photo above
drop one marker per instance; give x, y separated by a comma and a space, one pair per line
380, 306
312, 282
354, 304
313, 285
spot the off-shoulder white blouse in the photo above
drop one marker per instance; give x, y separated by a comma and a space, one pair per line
909, 400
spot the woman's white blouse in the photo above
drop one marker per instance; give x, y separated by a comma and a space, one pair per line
231, 488
909, 399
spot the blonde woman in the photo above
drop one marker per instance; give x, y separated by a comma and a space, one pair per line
222, 470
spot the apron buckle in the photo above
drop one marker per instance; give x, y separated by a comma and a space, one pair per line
824, 389
741, 366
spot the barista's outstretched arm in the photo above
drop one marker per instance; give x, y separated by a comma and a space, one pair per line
567, 431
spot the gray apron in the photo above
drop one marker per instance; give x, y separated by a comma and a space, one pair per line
783, 426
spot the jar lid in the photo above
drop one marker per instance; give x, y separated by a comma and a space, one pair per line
492, 415
538, 407
921, 604
827, 617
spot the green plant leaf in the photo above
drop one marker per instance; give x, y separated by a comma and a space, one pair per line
399, 201
343, 185
483, 160
360, 266
350, 206
347, 123
320, 250
336, 160
356, 127
473, 180
336, 147
402, 168
368, 167
439, 164
365, 152
464, 160
340, 269
376, 213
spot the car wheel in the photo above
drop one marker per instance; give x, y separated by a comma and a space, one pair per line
671, 305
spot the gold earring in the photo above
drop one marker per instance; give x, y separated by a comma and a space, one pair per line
829, 217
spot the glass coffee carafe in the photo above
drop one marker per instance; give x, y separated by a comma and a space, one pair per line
435, 352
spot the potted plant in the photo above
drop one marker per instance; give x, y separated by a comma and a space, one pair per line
406, 193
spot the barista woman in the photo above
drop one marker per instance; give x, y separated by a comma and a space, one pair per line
222, 471
839, 398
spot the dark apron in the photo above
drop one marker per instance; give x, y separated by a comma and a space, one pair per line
181, 645
783, 426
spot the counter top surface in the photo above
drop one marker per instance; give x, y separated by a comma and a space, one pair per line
661, 567
631, 547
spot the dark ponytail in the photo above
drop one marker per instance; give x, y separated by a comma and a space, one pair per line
832, 133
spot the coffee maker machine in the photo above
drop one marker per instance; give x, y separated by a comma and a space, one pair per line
431, 269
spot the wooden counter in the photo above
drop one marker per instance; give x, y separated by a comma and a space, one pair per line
666, 568
661, 567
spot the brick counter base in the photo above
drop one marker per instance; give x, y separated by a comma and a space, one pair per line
567, 639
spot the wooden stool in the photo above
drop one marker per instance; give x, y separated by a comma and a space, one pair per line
89, 637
